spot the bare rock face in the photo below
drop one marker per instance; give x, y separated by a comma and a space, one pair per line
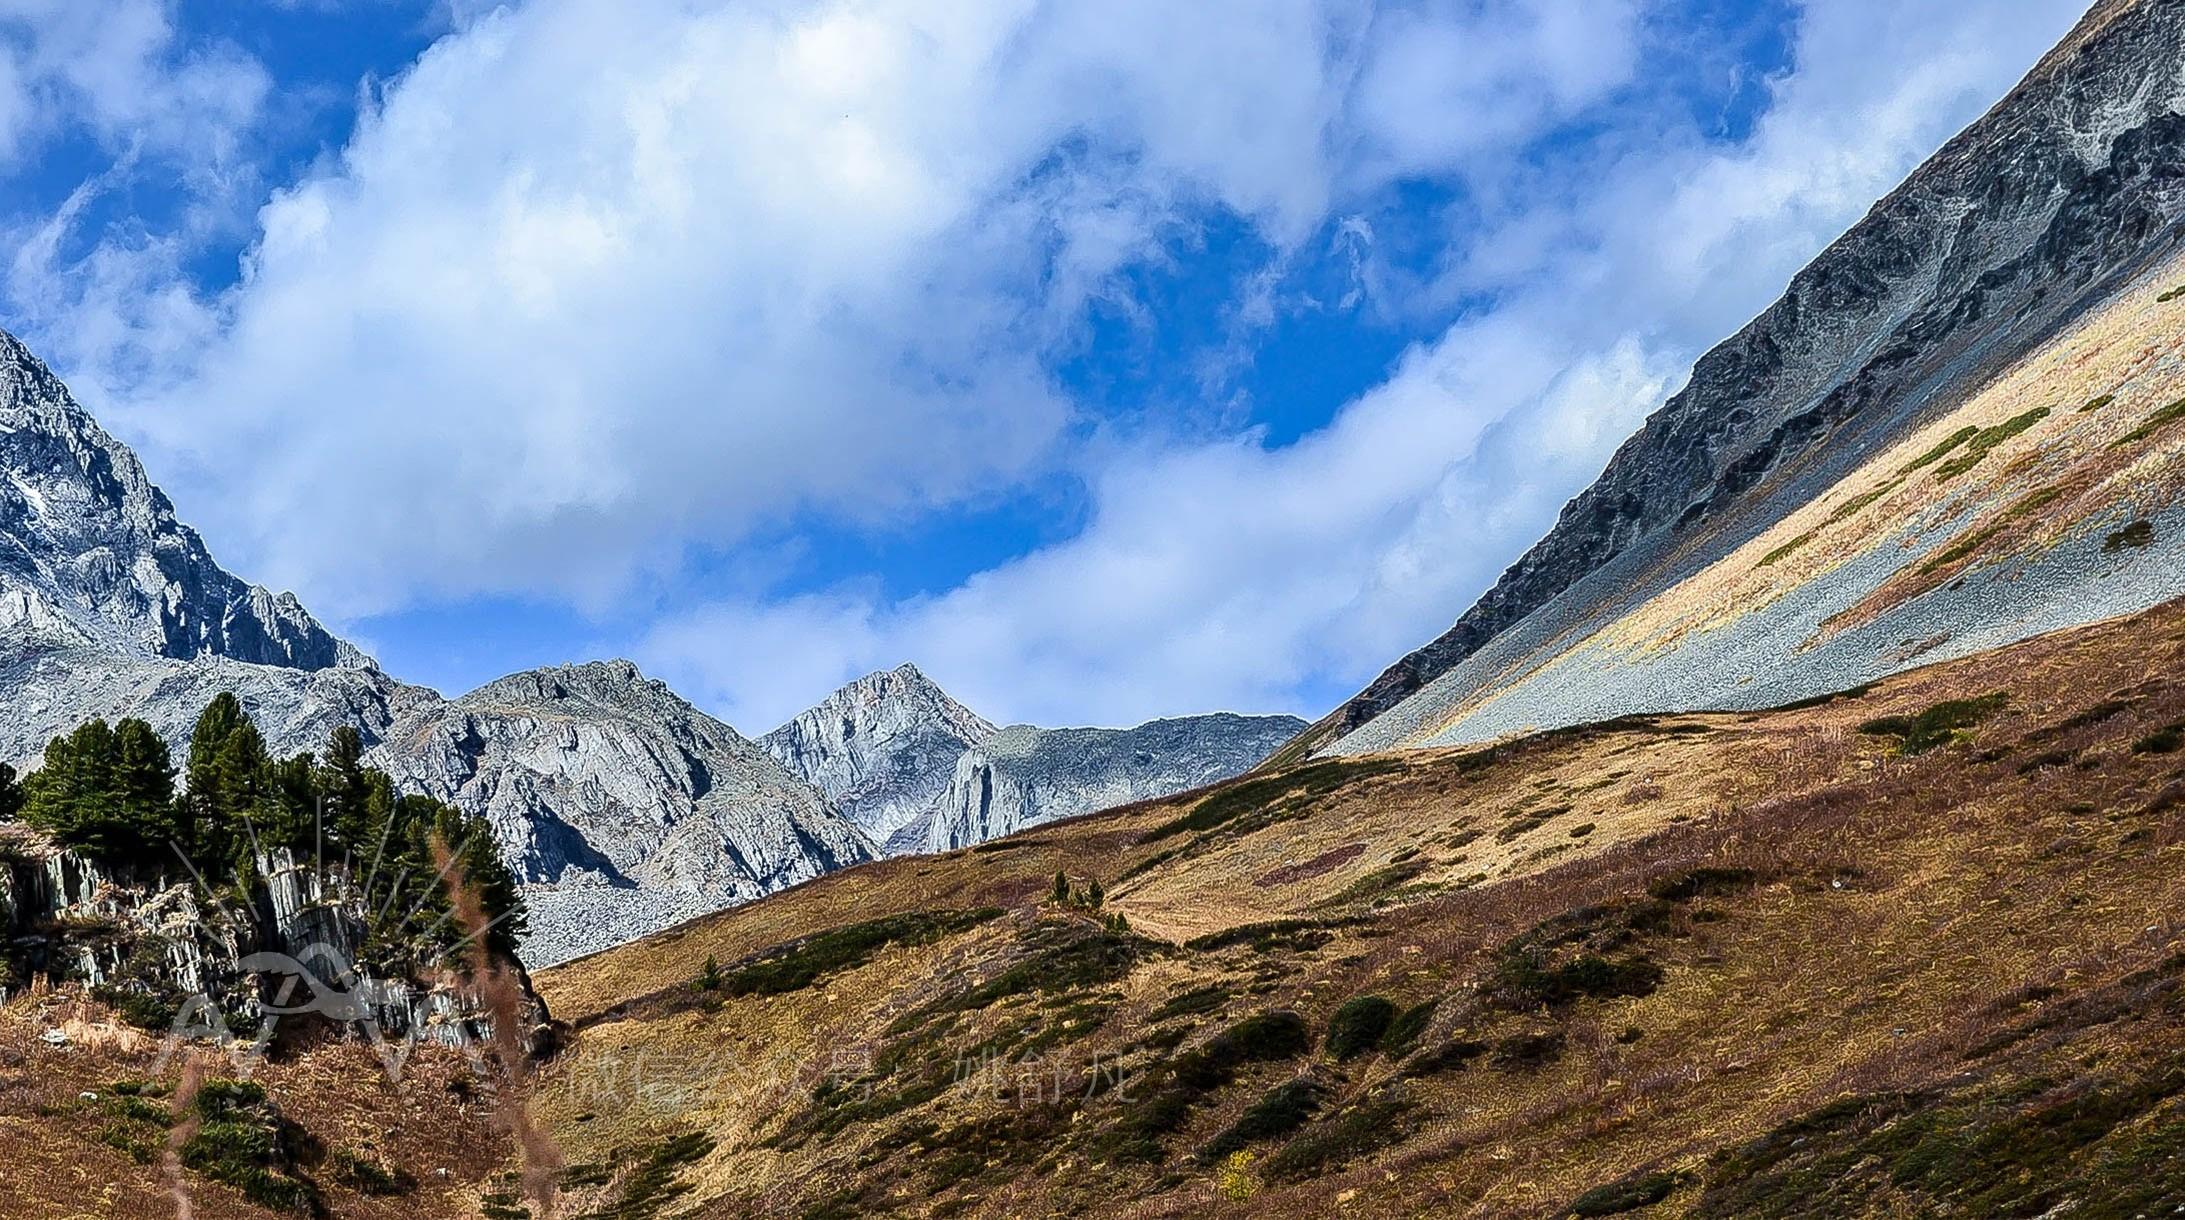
1022, 776
599, 780
882, 748
2066, 190
91, 553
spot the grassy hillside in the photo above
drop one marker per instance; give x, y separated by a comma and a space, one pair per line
88, 1127
1906, 951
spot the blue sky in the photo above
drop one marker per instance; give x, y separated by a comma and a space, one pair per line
1108, 360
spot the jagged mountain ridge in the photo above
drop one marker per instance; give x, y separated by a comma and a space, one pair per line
2064, 196
1024, 776
627, 808
920, 772
91, 552
621, 806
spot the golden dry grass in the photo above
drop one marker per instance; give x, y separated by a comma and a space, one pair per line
1898, 912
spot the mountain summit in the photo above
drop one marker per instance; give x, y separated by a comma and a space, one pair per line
882, 748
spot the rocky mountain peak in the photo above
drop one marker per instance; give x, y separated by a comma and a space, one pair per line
91, 552
881, 748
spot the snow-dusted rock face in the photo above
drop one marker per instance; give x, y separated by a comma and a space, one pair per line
91, 553
1022, 776
882, 748
602, 782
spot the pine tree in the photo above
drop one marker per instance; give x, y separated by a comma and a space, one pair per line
108, 792
345, 791
1061, 892
12, 795
225, 784
1094, 895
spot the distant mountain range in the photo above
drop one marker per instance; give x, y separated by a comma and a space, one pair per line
624, 808
1954, 431
919, 771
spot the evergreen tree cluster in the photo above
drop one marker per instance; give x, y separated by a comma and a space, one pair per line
109, 792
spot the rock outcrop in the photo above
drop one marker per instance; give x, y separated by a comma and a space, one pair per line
224, 958
2051, 204
91, 552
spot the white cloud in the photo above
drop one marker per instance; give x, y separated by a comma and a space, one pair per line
1235, 576
117, 69
596, 283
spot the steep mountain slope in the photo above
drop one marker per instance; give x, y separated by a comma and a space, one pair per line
91, 553
2039, 237
1909, 951
637, 808
922, 772
882, 748
1022, 776
624, 806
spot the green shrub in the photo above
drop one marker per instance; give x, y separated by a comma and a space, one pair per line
2097, 404
1946, 723
1335, 1141
1704, 882
367, 1176
1525, 978
1190, 1004
1940, 451
1786, 550
1629, 1195
1525, 1052
2152, 424
656, 1181
2131, 537
1404, 1032
1294, 935
1282, 1110
1983, 442
1447, 1057
1358, 1025
2168, 739
801, 963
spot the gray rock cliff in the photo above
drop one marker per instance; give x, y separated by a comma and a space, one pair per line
2070, 185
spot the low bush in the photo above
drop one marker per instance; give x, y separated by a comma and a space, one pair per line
1944, 724
1358, 1026
1335, 1141
801, 963
1282, 1110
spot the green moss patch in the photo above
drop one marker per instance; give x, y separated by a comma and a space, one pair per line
2152, 424
1980, 444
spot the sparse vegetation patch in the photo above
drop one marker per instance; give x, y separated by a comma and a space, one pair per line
1944, 724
